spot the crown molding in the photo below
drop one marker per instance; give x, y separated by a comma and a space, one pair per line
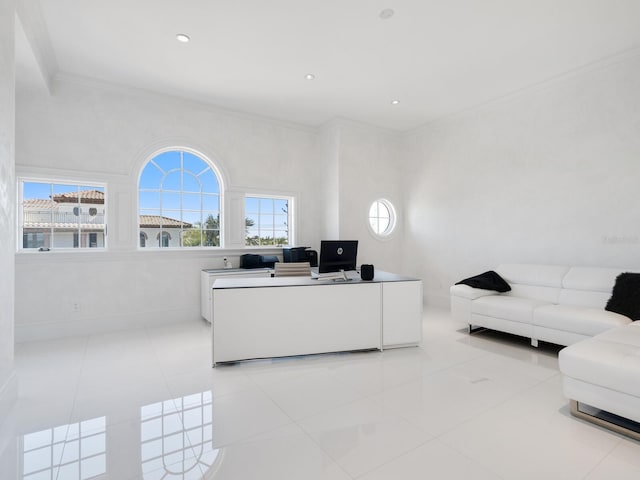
30, 171
30, 18
91, 82
341, 122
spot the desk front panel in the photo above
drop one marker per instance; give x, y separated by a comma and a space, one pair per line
295, 320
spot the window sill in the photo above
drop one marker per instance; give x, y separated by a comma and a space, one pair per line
139, 254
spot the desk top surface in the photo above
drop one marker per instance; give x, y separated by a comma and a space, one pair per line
236, 271
229, 283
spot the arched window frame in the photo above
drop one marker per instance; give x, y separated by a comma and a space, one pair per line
221, 192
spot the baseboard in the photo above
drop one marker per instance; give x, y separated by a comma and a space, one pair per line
437, 298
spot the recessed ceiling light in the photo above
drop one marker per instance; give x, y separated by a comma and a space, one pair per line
395, 102
386, 14
310, 76
181, 37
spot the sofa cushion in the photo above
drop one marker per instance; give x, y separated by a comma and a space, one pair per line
516, 309
588, 286
592, 279
582, 320
540, 282
535, 275
606, 363
584, 298
626, 296
625, 336
542, 294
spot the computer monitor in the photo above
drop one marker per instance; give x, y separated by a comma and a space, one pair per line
336, 255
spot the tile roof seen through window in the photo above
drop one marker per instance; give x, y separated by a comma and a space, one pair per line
154, 221
86, 196
39, 204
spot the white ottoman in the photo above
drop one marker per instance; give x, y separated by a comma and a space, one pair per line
604, 372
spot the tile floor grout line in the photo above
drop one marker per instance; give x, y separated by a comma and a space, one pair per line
605, 456
73, 404
496, 406
295, 422
179, 410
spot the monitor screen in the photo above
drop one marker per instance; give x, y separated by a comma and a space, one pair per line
336, 255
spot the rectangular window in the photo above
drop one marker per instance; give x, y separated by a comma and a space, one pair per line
268, 221
62, 215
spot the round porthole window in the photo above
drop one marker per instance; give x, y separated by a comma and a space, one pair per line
382, 218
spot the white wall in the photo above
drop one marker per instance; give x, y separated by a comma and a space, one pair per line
548, 176
369, 169
8, 382
328, 180
93, 132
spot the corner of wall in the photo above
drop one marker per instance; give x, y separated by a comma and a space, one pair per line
8, 396
8, 444
8, 379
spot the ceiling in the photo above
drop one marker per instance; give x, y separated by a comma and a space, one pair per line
437, 57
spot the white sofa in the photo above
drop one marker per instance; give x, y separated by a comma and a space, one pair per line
557, 304
604, 372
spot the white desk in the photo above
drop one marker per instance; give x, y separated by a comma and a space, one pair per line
207, 277
275, 317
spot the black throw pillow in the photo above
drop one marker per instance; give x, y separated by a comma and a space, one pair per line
625, 298
487, 281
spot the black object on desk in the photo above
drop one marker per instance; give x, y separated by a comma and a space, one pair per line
300, 254
366, 271
251, 260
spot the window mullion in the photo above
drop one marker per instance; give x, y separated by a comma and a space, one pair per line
181, 234
79, 217
273, 221
52, 217
259, 222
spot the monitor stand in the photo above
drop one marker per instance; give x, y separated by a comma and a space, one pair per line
340, 276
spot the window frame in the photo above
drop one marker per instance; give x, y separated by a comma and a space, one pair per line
60, 181
393, 219
152, 243
291, 222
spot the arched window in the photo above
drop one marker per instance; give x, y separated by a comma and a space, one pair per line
143, 239
179, 199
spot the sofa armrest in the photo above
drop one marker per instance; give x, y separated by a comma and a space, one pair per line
470, 293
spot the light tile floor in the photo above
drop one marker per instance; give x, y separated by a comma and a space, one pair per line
145, 404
